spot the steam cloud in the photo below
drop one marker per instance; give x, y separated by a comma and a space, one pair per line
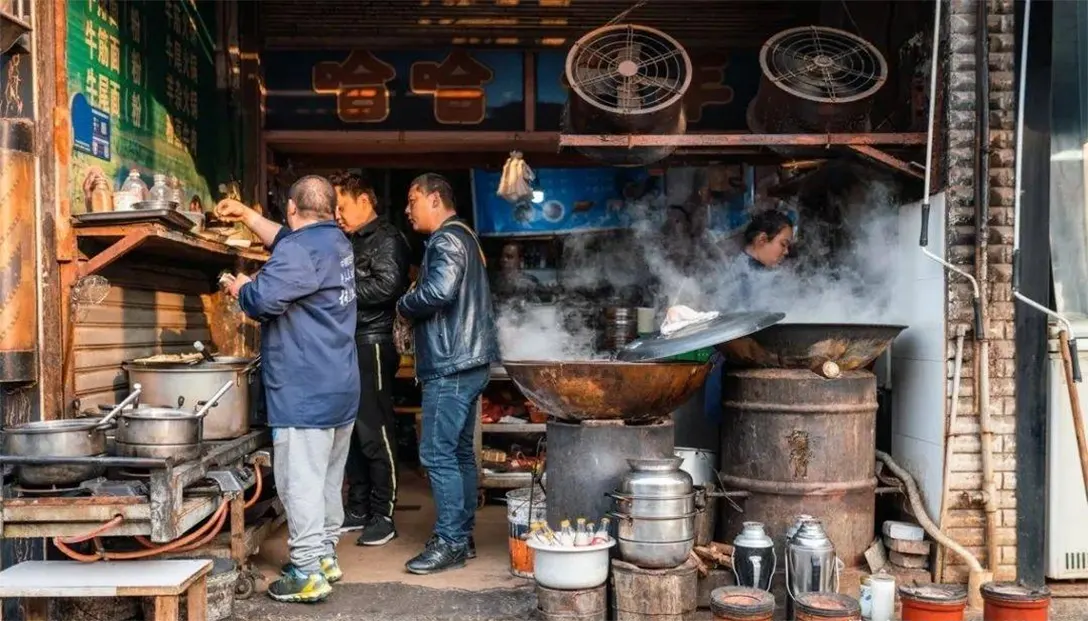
851, 284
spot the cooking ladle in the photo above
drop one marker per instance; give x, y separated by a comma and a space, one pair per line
131, 398
206, 406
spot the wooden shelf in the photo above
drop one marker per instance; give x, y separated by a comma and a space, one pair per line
159, 240
497, 373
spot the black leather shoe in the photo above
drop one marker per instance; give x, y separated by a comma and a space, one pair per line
437, 556
469, 554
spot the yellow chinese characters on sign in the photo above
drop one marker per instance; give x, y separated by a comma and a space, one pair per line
707, 87
456, 84
360, 85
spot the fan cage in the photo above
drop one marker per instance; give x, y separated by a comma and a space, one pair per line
662, 77
823, 64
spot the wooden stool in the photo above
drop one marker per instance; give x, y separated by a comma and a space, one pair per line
659, 594
39, 581
587, 605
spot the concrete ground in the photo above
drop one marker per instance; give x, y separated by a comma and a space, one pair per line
376, 587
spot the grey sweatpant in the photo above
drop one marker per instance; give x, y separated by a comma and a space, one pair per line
309, 468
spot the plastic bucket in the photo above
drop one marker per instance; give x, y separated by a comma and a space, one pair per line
932, 602
519, 515
1008, 601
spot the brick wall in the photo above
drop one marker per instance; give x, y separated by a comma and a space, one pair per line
966, 520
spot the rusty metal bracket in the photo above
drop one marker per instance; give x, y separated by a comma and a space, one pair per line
14, 34
113, 252
888, 160
260, 458
227, 481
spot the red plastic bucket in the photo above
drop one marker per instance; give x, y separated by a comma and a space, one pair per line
932, 602
1009, 601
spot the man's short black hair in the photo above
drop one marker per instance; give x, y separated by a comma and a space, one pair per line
314, 195
770, 223
355, 185
432, 182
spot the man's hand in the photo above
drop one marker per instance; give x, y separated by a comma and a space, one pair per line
230, 210
235, 285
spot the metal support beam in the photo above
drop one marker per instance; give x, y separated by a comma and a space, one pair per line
739, 140
888, 160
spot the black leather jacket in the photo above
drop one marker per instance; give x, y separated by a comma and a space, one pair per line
450, 306
381, 277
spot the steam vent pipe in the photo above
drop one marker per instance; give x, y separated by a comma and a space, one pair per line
18, 252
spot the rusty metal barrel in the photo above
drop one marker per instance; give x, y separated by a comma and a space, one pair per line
802, 444
18, 252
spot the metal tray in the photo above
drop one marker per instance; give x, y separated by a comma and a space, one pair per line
169, 217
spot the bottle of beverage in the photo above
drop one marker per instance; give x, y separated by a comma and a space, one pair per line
159, 192
582, 536
101, 198
135, 185
549, 536
602, 535
566, 534
177, 194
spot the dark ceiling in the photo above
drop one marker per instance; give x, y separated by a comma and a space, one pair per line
351, 24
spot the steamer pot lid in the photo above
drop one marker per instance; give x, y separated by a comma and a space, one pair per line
726, 327
938, 593
735, 601
1013, 591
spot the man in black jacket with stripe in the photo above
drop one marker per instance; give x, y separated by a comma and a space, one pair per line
381, 277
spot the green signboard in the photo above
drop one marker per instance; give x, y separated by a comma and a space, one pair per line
141, 81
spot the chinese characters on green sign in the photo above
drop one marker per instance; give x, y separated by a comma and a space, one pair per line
144, 64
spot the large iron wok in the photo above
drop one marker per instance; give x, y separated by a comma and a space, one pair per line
809, 345
604, 390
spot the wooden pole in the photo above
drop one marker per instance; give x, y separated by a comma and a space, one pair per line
1074, 402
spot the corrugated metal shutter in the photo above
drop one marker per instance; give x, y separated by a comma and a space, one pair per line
131, 323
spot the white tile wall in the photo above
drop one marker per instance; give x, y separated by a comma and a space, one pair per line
918, 357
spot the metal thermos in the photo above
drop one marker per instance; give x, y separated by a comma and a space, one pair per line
754, 559
810, 563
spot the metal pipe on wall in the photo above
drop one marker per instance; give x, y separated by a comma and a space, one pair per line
982, 271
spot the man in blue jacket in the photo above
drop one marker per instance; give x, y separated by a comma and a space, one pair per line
304, 297
455, 342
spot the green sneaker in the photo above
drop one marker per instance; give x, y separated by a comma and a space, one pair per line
294, 586
331, 568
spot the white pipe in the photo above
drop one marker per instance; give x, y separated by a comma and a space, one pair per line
924, 237
978, 575
946, 480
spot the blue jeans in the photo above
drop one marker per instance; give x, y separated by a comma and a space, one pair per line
446, 450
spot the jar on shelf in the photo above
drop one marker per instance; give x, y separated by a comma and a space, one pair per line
159, 192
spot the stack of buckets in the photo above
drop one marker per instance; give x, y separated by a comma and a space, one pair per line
523, 508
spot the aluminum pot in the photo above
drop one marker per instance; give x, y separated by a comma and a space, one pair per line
653, 506
157, 426
61, 438
656, 478
699, 464
655, 555
655, 530
182, 385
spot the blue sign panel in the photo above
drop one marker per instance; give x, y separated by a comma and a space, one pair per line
566, 200
404, 91
90, 128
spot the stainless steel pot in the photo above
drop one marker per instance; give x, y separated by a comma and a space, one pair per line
182, 385
653, 506
157, 426
655, 530
699, 464
656, 478
177, 452
655, 555
62, 438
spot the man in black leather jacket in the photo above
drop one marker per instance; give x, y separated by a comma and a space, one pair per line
381, 277
456, 342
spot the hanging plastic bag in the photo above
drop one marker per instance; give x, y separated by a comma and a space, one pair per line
516, 184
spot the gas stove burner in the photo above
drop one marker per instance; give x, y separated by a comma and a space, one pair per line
50, 490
